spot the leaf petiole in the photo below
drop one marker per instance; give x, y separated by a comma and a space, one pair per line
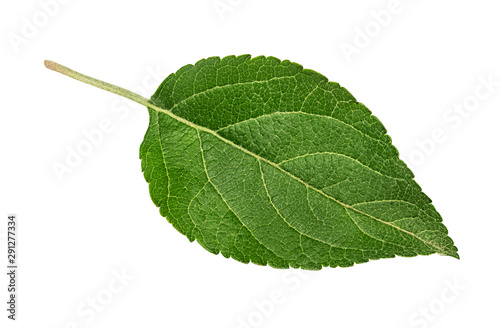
97, 83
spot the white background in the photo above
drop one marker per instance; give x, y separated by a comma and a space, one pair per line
76, 233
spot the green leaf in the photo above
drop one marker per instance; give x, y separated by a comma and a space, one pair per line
267, 162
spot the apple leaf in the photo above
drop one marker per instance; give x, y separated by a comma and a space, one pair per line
267, 162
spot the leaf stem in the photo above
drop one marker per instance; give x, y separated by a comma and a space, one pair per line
96, 83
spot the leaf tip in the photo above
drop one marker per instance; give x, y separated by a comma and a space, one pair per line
452, 253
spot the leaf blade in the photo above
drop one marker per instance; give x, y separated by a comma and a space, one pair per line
198, 99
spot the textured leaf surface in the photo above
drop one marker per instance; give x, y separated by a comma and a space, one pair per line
264, 161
